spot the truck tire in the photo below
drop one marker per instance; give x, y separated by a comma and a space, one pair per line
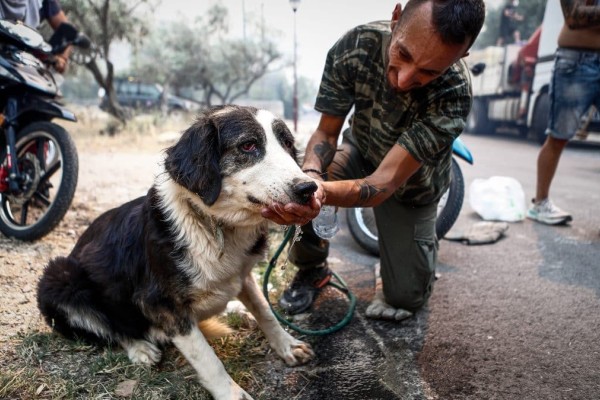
478, 121
539, 121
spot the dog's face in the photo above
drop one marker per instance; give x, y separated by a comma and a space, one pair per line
239, 158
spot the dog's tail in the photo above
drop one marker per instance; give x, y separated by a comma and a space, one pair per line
212, 328
65, 295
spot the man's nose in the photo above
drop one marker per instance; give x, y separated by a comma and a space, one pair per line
406, 78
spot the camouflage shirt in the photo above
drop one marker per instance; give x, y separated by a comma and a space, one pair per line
425, 121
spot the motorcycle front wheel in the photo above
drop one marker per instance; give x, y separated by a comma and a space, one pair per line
363, 229
48, 163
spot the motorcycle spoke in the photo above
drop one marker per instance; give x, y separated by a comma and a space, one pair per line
42, 199
50, 171
24, 212
40, 146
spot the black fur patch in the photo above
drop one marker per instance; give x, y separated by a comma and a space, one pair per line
122, 271
260, 247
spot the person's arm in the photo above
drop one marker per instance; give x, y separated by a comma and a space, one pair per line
395, 169
579, 15
56, 17
397, 166
322, 145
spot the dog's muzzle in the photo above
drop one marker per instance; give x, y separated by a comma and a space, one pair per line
304, 190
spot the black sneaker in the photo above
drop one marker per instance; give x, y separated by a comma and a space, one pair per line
303, 291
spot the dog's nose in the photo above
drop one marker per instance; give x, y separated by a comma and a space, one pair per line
304, 190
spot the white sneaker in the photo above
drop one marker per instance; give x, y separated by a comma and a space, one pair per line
547, 213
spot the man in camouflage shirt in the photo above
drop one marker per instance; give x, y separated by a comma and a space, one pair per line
411, 95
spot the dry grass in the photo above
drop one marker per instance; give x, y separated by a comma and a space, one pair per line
46, 366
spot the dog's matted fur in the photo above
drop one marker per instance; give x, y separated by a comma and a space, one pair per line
147, 272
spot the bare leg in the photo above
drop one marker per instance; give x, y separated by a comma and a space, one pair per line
547, 164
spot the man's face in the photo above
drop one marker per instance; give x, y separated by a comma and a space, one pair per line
417, 55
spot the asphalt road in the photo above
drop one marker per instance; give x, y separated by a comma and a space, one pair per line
517, 319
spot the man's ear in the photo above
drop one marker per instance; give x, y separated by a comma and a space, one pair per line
396, 15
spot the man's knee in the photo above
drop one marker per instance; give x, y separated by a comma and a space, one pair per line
411, 299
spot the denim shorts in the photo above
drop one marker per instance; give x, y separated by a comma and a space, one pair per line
575, 86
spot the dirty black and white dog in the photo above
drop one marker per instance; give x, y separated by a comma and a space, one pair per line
145, 273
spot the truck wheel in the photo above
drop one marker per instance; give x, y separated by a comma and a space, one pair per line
539, 121
478, 121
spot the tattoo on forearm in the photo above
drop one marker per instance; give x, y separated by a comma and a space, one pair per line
367, 192
578, 14
325, 152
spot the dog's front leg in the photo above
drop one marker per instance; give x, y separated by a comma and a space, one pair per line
210, 369
292, 350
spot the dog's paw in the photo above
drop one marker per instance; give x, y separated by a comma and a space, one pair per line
142, 352
242, 395
293, 351
231, 391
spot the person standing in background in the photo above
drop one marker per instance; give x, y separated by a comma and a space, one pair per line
508, 24
575, 86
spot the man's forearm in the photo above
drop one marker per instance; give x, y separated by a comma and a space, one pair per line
320, 151
355, 193
578, 15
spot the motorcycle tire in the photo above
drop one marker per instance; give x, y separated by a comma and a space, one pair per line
48, 155
361, 221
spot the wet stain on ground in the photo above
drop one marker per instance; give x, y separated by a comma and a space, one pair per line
569, 260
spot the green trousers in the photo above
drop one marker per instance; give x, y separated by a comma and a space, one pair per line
407, 242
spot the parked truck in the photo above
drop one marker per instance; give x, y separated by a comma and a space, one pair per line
511, 91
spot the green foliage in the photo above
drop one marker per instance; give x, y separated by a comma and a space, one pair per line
532, 10
203, 56
104, 22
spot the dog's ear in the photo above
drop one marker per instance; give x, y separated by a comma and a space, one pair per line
193, 162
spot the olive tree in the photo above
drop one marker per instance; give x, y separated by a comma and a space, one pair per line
201, 55
106, 22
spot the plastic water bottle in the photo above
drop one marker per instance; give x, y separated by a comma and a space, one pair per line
325, 224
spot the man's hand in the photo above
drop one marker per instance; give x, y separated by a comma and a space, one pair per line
295, 213
60, 63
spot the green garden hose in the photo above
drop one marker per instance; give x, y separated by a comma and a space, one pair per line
341, 286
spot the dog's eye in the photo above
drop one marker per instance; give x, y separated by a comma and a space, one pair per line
288, 143
248, 147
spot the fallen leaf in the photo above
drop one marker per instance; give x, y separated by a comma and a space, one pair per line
126, 388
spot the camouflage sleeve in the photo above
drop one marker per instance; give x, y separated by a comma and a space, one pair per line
336, 93
441, 118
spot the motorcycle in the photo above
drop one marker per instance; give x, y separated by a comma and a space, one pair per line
361, 221
38, 159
